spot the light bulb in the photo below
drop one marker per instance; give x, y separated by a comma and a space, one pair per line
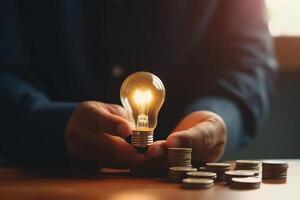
142, 95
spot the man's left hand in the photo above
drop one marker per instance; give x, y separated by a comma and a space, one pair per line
203, 131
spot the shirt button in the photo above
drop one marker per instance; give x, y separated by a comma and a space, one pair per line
117, 71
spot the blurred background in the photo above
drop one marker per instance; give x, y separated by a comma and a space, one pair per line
280, 135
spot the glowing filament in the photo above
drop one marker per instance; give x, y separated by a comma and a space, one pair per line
143, 100
142, 97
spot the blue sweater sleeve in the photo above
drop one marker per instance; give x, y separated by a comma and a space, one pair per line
32, 126
239, 84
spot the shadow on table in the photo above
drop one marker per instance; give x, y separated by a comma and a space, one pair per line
62, 172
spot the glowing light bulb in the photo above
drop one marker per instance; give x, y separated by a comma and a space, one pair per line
142, 94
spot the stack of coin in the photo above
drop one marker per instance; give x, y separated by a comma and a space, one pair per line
176, 174
252, 165
218, 168
237, 174
180, 157
274, 169
197, 183
202, 174
245, 183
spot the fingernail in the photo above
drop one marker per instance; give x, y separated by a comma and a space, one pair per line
123, 129
175, 142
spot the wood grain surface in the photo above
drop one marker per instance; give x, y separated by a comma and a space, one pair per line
52, 183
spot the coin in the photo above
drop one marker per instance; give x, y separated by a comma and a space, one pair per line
201, 169
240, 173
248, 162
245, 183
197, 183
181, 149
202, 174
186, 169
180, 157
274, 162
219, 169
176, 174
237, 174
218, 165
275, 165
274, 169
247, 165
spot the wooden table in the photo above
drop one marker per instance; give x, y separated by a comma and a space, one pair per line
19, 183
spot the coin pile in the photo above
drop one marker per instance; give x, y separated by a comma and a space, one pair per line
245, 183
202, 174
243, 177
176, 174
197, 183
180, 157
237, 174
219, 169
274, 169
252, 165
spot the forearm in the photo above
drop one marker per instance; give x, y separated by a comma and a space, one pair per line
246, 64
242, 67
33, 126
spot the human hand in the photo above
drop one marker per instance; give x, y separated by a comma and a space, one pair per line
95, 133
203, 131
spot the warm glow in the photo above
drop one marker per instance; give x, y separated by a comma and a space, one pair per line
132, 195
284, 17
142, 97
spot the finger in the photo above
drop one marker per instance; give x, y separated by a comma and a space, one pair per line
201, 137
213, 154
108, 150
179, 139
157, 162
97, 118
124, 154
120, 111
193, 119
157, 150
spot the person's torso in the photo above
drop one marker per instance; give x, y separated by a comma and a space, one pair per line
83, 50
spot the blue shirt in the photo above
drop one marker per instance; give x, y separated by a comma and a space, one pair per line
211, 55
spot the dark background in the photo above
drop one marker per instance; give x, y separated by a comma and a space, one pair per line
279, 137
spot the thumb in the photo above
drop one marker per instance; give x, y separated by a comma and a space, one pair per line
114, 125
97, 118
179, 139
201, 137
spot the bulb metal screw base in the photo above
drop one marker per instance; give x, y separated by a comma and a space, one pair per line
141, 140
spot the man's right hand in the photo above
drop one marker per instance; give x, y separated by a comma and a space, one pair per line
95, 133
